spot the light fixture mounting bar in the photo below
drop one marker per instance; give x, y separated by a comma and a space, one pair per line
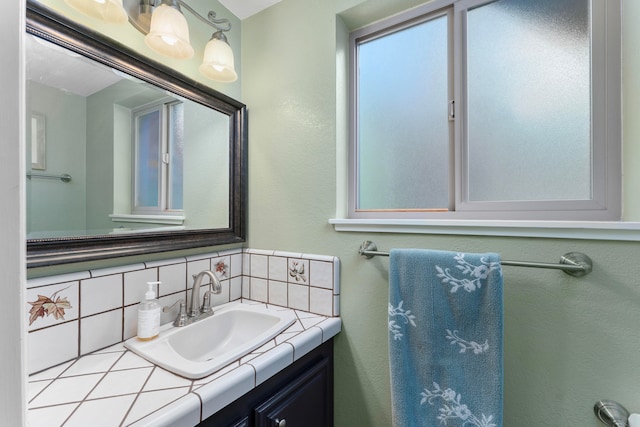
211, 18
140, 11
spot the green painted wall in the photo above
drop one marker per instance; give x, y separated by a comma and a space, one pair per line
53, 204
568, 342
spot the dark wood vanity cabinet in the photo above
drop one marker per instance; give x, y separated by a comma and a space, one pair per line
299, 396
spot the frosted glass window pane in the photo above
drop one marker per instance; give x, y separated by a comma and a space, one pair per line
403, 138
529, 100
176, 155
148, 160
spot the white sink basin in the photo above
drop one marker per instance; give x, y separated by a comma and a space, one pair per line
202, 348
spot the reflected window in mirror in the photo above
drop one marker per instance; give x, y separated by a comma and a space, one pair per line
158, 166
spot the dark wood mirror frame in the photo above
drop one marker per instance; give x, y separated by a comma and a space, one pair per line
49, 25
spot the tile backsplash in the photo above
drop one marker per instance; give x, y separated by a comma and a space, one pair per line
74, 314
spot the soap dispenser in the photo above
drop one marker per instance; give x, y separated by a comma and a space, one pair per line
149, 314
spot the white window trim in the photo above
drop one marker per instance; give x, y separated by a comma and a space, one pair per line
608, 194
590, 230
149, 219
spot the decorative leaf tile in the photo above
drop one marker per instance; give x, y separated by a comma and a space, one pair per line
220, 267
50, 305
298, 271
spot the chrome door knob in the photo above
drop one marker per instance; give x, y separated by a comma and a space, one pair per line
611, 413
281, 423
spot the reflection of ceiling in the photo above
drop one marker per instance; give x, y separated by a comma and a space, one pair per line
245, 8
54, 66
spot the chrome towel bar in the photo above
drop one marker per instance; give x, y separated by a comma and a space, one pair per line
575, 264
65, 177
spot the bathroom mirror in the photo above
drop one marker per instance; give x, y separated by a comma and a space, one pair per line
138, 159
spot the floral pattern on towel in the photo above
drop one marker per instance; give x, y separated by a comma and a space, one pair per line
403, 314
465, 345
470, 277
476, 274
453, 408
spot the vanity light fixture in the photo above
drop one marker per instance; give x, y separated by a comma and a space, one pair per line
217, 63
167, 32
106, 10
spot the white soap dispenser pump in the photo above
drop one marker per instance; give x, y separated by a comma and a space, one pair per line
149, 314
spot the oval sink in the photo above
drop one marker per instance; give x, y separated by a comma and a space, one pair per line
202, 348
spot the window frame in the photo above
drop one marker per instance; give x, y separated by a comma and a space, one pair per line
164, 198
606, 203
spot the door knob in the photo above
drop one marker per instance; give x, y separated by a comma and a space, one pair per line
281, 423
611, 413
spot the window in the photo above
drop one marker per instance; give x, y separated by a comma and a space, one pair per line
505, 109
158, 159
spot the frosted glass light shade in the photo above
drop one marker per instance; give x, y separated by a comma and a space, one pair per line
217, 63
106, 10
169, 33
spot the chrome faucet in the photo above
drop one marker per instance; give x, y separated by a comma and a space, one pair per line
194, 309
186, 317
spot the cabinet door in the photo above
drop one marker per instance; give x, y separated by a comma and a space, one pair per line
305, 402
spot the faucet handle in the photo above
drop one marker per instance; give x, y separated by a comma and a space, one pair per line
206, 303
181, 318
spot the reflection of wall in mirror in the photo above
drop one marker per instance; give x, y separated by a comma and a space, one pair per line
206, 173
109, 151
53, 204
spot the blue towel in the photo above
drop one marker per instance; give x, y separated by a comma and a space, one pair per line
445, 338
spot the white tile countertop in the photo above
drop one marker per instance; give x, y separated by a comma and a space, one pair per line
115, 387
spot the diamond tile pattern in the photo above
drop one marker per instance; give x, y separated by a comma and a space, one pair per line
116, 387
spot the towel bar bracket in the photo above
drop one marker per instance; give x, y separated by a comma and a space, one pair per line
574, 264
369, 250
577, 259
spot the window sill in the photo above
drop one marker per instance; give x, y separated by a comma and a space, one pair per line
149, 219
593, 230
